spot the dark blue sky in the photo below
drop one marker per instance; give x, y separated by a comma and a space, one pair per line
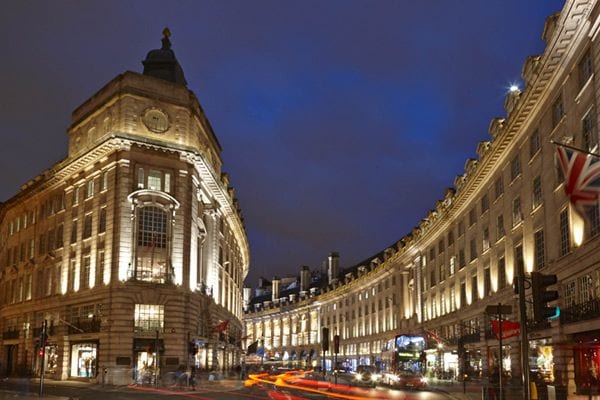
342, 122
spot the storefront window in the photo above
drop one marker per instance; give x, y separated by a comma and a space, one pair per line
83, 360
541, 359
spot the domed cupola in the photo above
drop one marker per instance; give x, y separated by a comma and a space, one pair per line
161, 63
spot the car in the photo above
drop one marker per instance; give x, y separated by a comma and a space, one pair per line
409, 380
367, 374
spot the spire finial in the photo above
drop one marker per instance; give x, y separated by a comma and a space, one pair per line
166, 43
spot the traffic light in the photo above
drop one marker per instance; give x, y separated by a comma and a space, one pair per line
336, 344
325, 339
192, 348
541, 295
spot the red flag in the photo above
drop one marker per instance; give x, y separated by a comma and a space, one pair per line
221, 327
509, 329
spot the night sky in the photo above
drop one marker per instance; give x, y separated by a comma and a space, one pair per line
342, 122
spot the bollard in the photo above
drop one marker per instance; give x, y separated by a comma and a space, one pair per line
533, 391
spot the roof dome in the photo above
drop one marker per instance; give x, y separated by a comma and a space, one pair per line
161, 63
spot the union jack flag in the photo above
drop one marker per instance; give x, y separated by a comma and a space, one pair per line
582, 176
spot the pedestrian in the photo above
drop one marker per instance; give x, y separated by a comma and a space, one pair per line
494, 384
193, 377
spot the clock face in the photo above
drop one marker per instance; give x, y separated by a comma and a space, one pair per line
156, 120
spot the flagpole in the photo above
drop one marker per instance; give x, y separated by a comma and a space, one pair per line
575, 148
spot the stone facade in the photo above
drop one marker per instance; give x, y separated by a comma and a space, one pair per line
508, 207
132, 248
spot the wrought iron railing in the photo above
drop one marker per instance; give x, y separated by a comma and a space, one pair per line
474, 337
84, 325
581, 312
11, 334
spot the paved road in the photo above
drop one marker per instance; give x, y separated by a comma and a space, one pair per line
26, 390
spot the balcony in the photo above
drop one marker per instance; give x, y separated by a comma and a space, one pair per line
84, 325
10, 334
533, 326
474, 337
581, 312
37, 332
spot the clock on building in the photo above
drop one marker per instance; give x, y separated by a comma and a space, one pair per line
155, 120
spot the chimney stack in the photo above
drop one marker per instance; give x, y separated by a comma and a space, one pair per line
275, 288
333, 267
304, 279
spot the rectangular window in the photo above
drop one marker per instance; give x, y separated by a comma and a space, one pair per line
141, 179
472, 217
50, 240
537, 192
31, 249
473, 248
87, 226
74, 231
85, 272
558, 111
485, 244
500, 232
442, 272
102, 221
167, 182
59, 236
586, 288
72, 274
149, 317
584, 68
76, 196
42, 244
515, 168
432, 254
450, 238
461, 228
565, 233
485, 203
432, 276
154, 180
487, 281
441, 248
569, 293
463, 294
100, 268
593, 214
461, 259
498, 187
452, 265
501, 273
104, 184
539, 250
443, 302
517, 215
589, 134
534, 144
89, 189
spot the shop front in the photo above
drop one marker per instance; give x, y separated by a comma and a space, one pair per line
84, 360
494, 362
541, 360
586, 354
146, 359
50, 359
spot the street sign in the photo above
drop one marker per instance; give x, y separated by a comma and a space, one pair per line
498, 309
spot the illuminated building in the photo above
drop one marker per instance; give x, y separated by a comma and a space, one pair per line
132, 245
508, 206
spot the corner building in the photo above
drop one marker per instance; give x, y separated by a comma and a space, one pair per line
507, 209
132, 248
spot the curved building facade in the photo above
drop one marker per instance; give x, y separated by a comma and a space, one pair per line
508, 209
132, 249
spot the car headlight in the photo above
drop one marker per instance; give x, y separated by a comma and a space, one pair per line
375, 377
358, 376
424, 380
